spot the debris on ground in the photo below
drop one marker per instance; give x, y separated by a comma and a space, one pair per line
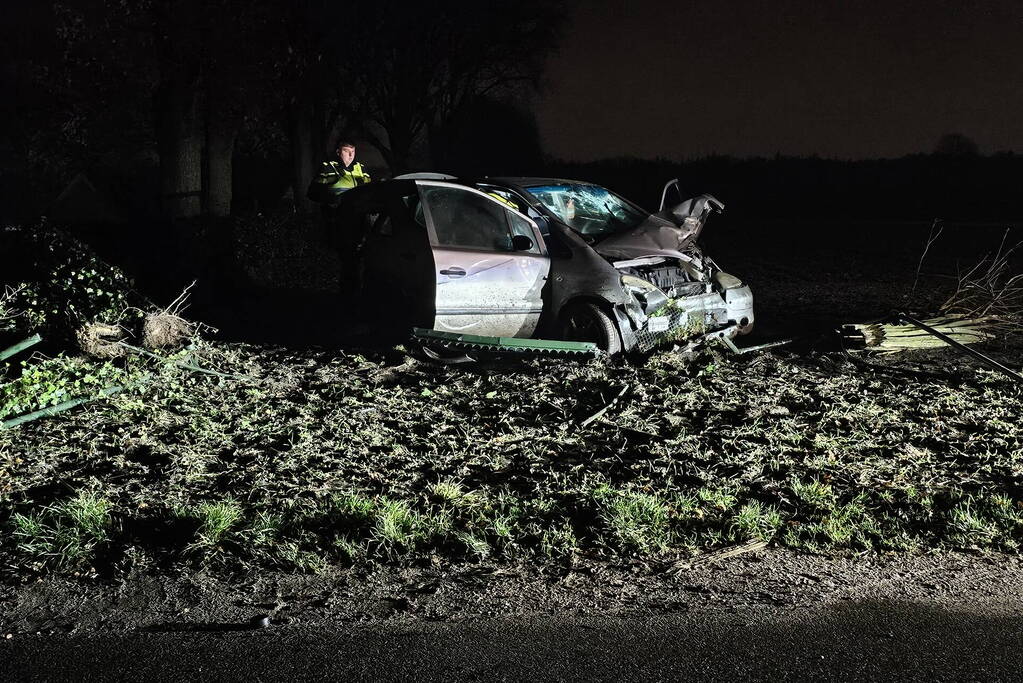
99, 340
890, 337
49, 411
600, 413
989, 289
85, 309
719, 555
166, 329
365, 457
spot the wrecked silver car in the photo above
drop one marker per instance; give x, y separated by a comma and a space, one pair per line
543, 258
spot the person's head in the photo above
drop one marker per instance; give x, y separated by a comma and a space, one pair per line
346, 151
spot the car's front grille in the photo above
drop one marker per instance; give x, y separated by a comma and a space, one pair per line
702, 315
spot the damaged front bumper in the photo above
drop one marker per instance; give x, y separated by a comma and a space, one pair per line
724, 309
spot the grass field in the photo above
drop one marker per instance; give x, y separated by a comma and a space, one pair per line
329, 457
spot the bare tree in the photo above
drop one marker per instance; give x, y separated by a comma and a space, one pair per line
411, 69
177, 75
956, 145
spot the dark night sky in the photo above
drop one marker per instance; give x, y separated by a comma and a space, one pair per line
850, 79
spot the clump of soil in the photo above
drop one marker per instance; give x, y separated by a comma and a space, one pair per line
166, 330
100, 340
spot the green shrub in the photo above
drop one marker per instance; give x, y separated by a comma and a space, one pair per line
64, 284
55, 380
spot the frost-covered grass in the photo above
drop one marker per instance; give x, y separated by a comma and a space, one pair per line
341, 457
334, 458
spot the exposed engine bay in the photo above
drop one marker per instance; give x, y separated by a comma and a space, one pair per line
680, 290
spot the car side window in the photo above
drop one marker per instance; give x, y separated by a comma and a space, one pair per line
382, 224
415, 208
541, 221
520, 226
466, 219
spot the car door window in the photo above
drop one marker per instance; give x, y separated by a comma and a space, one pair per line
521, 226
467, 219
415, 209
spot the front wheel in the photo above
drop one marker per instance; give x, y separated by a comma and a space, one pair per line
586, 322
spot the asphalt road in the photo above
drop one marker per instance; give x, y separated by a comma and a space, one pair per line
850, 641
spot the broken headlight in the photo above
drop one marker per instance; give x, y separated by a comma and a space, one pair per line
649, 295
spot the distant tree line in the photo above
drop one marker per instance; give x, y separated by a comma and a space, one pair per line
185, 108
949, 185
187, 87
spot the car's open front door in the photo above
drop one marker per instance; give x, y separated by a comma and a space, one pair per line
490, 263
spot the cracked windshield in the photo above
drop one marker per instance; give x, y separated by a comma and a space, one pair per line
589, 209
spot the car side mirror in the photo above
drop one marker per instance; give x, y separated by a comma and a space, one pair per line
521, 243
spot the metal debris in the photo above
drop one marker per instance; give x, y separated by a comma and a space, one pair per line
512, 345
600, 413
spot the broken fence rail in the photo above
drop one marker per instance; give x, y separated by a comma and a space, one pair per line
20, 346
1004, 369
517, 345
69, 404
111, 390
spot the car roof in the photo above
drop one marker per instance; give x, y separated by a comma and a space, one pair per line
530, 181
425, 175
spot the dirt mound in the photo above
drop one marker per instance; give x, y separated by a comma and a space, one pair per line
165, 330
100, 340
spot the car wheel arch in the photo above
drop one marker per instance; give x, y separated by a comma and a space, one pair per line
607, 309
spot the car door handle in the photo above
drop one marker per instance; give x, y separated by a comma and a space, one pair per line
453, 271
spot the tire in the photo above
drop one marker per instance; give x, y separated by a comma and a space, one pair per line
586, 322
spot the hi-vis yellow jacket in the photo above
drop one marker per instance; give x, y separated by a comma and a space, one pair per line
334, 176
334, 179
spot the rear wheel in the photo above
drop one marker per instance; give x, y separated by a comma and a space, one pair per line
586, 322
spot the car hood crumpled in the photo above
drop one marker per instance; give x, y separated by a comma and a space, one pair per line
655, 236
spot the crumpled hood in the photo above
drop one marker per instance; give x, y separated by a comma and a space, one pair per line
655, 236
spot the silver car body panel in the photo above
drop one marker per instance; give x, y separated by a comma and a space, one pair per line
487, 292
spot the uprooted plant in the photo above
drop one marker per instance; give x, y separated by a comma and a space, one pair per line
100, 340
989, 289
987, 301
167, 328
62, 284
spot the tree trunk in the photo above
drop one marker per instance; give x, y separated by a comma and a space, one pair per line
180, 144
439, 141
400, 150
321, 126
220, 136
303, 163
